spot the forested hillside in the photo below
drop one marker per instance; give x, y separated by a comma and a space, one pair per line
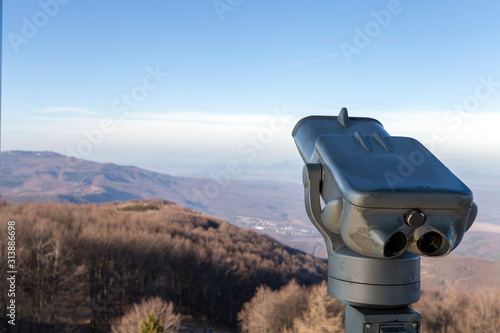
85, 265
300, 309
84, 268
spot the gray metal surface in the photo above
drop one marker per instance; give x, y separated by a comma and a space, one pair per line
402, 177
383, 195
387, 200
372, 282
374, 296
305, 136
359, 320
348, 265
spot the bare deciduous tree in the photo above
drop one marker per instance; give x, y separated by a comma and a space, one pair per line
162, 310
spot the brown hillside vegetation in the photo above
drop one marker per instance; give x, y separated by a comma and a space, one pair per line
95, 268
468, 274
163, 311
299, 309
84, 266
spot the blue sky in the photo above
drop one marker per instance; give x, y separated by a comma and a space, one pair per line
173, 81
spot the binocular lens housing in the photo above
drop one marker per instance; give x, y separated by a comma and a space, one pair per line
395, 245
430, 243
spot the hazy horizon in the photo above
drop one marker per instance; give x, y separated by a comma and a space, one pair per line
481, 182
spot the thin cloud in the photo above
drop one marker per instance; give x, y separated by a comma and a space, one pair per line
298, 64
209, 118
66, 110
199, 136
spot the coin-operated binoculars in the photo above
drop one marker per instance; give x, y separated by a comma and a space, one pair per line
387, 201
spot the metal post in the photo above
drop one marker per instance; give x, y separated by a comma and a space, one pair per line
364, 320
377, 292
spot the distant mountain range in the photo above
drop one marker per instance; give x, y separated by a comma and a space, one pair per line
274, 208
271, 207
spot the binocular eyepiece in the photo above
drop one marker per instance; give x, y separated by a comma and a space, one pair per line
382, 195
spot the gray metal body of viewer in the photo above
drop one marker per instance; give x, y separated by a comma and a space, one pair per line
387, 201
